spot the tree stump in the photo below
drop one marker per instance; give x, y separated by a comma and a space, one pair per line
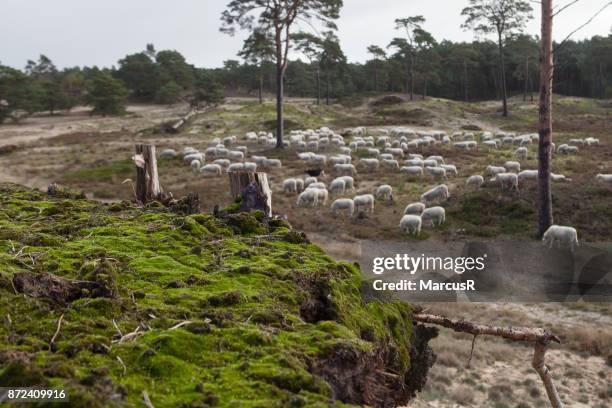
147, 179
253, 189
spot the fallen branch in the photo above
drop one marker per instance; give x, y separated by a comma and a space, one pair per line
59, 326
146, 400
122, 365
181, 324
540, 337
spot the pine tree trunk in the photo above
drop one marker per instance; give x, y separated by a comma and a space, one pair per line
280, 111
328, 88
261, 89
526, 79
318, 86
545, 121
502, 70
411, 82
465, 81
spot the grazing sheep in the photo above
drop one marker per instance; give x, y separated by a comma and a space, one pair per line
250, 167
272, 163
438, 193
318, 185
340, 159
411, 224
566, 149
235, 155
414, 162
365, 201
494, 170
604, 179
512, 166
222, 162
436, 172
438, 159
370, 164
528, 175
309, 181
234, 167
308, 197
521, 153
433, 215
391, 164
169, 153
323, 195
589, 141
430, 163
290, 186
345, 169
559, 177
349, 182
509, 180
564, 236
337, 186
195, 165
259, 160
412, 170
576, 142
413, 156
450, 168
345, 150
212, 169
491, 143
345, 205
193, 156
414, 209
384, 192
475, 181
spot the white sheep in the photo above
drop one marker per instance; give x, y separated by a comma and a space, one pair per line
430, 163
509, 180
250, 167
450, 168
494, 170
436, 172
564, 236
272, 163
475, 181
212, 169
604, 179
349, 182
512, 166
384, 192
345, 169
365, 201
235, 155
434, 215
337, 187
370, 164
195, 165
414, 162
414, 209
318, 185
438, 193
290, 186
308, 197
235, 167
169, 153
528, 175
412, 170
309, 181
411, 224
521, 152
323, 195
559, 177
222, 162
345, 205
491, 143
391, 164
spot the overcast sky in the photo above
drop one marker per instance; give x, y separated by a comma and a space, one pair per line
100, 32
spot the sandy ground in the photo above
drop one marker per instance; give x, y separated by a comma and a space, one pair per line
500, 374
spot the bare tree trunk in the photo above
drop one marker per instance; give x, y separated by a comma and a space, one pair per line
328, 88
254, 190
147, 179
412, 81
545, 215
260, 88
502, 70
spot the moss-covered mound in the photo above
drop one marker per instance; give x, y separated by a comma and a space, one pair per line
195, 310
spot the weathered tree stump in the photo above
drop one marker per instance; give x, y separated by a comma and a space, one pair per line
56, 288
254, 190
147, 179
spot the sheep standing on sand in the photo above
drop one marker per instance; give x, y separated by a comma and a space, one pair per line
475, 181
411, 224
384, 192
414, 209
438, 193
564, 236
365, 202
509, 180
345, 205
434, 215
308, 198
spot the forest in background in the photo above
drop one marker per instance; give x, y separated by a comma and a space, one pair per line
459, 71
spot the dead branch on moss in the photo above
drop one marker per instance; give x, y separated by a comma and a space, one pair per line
59, 327
540, 337
146, 400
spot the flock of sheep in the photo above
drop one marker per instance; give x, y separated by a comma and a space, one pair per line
393, 151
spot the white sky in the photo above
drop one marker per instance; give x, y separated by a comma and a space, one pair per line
88, 32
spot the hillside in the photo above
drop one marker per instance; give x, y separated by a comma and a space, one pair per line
194, 310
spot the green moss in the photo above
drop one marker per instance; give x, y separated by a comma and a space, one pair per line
260, 313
